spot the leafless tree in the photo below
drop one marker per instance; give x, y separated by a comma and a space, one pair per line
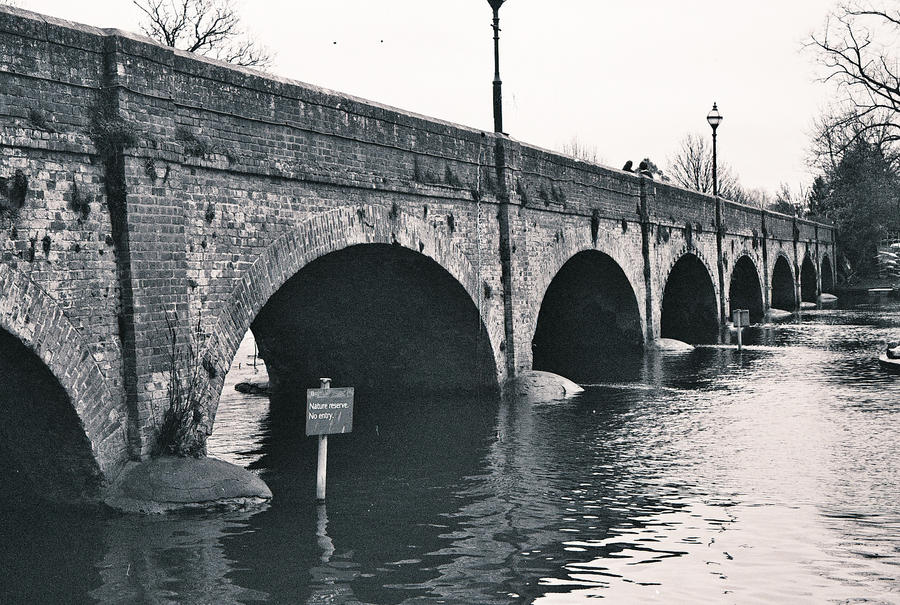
206, 27
581, 151
692, 168
835, 130
858, 48
756, 197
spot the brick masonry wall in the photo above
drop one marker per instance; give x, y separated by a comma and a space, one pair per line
224, 182
59, 290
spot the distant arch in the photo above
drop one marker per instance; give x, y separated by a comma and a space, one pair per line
319, 236
827, 275
745, 289
689, 308
783, 291
808, 280
32, 319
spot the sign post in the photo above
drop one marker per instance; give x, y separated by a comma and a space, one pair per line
741, 319
327, 411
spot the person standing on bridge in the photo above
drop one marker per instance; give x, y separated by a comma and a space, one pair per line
644, 169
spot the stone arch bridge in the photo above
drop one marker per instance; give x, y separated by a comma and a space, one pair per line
149, 195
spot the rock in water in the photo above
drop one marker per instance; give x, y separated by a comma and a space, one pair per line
807, 305
826, 298
170, 483
252, 388
670, 345
535, 386
779, 314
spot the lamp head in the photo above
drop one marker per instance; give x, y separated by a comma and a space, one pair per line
714, 118
495, 4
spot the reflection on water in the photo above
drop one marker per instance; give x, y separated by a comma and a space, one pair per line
769, 475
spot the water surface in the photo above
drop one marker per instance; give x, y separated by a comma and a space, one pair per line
767, 476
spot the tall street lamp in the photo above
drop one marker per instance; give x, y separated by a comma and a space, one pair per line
498, 103
714, 118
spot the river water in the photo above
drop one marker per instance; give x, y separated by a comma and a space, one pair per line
766, 476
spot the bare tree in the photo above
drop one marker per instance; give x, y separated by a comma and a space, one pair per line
692, 168
206, 27
581, 151
788, 202
858, 48
837, 129
756, 197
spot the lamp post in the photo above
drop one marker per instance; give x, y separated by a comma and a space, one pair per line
714, 118
498, 103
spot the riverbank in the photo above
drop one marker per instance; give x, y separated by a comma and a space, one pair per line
862, 287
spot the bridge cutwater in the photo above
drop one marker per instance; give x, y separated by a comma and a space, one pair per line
142, 187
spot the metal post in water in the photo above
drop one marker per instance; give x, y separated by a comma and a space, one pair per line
324, 383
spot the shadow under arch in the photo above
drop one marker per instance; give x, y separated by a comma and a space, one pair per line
827, 275
589, 323
378, 317
45, 451
329, 232
689, 309
808, 280
745, 291
783, 294
60, 425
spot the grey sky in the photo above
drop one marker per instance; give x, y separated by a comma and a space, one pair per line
629, 78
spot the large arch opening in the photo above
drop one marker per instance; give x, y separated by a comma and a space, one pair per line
589, 325
745, 291
808, 281
43, 445
827, 276
689, 310
397, 326
381, 318
783, 296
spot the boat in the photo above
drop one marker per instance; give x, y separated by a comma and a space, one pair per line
886, 363
880, 291
890, 359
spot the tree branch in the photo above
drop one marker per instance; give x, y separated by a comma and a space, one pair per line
206, 27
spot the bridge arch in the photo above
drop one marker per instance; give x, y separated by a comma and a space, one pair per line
330, 234
745, 289
575, 241
784, 295
690, 312
827, 273
589, 321
60, 411
808, 280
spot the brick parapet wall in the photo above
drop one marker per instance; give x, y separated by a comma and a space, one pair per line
780, 226
675, 207
548, 181
739, 219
